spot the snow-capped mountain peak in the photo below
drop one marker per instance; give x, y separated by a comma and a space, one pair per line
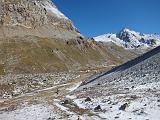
131, 39
128, 30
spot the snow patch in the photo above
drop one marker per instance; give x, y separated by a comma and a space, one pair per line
34, 112
51, 8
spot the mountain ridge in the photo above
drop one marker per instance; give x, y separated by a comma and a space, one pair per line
131, 39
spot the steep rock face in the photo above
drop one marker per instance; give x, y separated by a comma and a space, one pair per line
34, 17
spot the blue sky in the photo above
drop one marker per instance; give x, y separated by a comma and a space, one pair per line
96, 17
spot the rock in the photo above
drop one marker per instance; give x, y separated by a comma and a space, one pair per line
131, 81
87, 99
44, 80
103, 101
134, 97
109, 102
115, 103
126, 88
98, 108
116, 117
98, 84
141, 112
51, 118
84, 88
78, 118
123, 107
149, 90
65, 102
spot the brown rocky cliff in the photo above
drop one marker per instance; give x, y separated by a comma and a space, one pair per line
34, 17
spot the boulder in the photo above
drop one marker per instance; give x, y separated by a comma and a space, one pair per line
123, 107
88, 99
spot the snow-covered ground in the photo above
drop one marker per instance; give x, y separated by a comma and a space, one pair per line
129, 92
139, 106
33, 112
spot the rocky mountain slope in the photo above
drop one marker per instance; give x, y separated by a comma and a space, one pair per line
38, 42
34, 17
35, 37
130, 39
129, 91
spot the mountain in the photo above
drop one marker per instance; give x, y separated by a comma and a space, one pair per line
35, 37
130, 90
34, 17
130, 39
41, 38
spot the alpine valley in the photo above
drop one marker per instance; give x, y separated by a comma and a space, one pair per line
50, 71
